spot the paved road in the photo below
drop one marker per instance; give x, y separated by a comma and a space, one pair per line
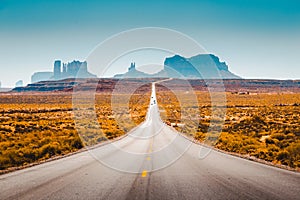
152, 162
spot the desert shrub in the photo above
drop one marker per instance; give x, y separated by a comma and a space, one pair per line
77, 143
248, 120
278, 136
35, 127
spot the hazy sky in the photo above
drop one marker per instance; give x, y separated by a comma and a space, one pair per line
257, 38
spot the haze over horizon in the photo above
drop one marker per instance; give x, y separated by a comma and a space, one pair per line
257, 39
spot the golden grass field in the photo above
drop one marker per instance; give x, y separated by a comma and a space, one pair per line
263, 125
38, 126
35, 127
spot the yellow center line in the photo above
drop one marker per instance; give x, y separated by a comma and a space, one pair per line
150, 147
144, 173
148, 158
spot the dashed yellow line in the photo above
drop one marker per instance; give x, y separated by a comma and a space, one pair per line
150, 147
148, 158
144, 173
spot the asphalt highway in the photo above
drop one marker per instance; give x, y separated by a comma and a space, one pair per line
152, 162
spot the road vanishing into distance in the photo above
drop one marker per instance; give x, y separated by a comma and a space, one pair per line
152, 162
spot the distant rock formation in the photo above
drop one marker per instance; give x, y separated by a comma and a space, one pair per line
19, 83
74, 69
41, 76
235, 86
57, 70
45, 86
133, 73
202, 66
71, 70
4, 89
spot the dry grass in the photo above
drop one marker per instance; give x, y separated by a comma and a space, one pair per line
35, 127
266, 126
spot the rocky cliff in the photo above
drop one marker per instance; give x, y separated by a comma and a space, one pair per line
202, 66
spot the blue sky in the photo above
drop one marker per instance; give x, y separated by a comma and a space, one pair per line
257, 38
